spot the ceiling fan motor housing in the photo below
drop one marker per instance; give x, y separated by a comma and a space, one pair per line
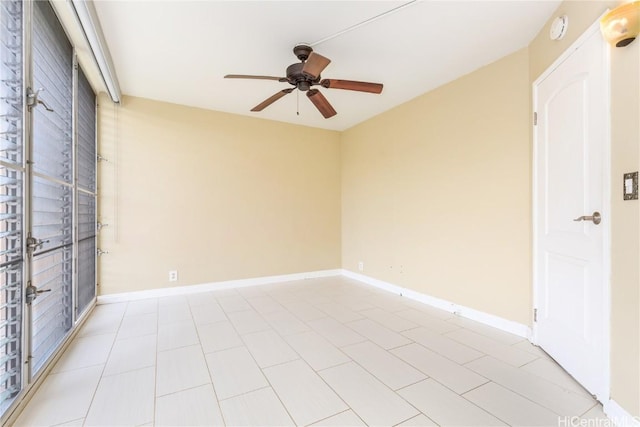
297, 78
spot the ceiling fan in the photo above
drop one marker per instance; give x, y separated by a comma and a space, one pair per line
304, 75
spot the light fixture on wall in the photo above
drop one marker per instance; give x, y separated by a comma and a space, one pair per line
621, 25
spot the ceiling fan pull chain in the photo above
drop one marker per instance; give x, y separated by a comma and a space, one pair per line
298, 102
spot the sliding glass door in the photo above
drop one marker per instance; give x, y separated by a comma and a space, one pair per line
48, 193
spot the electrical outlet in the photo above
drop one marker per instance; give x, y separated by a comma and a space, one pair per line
361, 266
173, 275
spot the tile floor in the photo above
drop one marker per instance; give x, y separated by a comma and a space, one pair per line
327, 351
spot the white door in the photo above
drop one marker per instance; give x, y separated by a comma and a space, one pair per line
571, 155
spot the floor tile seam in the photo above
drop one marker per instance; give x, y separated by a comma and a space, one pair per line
426, 377
158, 350
486, 335
192, 306
530, 399
350, 329
120, 321
292, 315
584, 393
401, 332
302, 320
392, 329
336, 414
95, 391
516, 393
64, 423
79, 336
444, 356
281, 336
135, 336
339, 397
338, 320
399, 359
276, 302
596, 403
541, 378
128, 371
252, 332
155, 374
377, 379
469, 401
488, 380
158, 396
206, 364
66, 353
404, 421
262, 372
299, 358
144, 313
493, 342
488, 354
177, 348
210, 323
236, 311
318, 371
165, 325
321, 379
382, 326
222, 349
226, 319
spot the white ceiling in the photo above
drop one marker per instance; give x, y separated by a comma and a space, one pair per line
179, 51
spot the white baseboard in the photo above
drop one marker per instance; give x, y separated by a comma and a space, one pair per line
619, 416
512, 327
205, 287
470, 313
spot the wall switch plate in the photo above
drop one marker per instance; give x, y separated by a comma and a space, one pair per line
173, 275
360, 266
630, 186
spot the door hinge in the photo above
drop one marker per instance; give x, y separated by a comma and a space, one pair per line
535, 118
535, 314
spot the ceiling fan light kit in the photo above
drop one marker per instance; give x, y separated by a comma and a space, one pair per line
305, 74
621, 25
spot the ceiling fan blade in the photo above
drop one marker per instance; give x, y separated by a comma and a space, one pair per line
352, 85
244, 76
315, 64
264, 104
321, 103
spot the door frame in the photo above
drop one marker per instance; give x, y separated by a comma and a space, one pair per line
603, 394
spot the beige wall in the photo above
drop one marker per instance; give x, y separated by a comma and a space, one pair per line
625, 157
436, 192
215, 196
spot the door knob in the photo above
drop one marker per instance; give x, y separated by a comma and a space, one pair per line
596, 218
